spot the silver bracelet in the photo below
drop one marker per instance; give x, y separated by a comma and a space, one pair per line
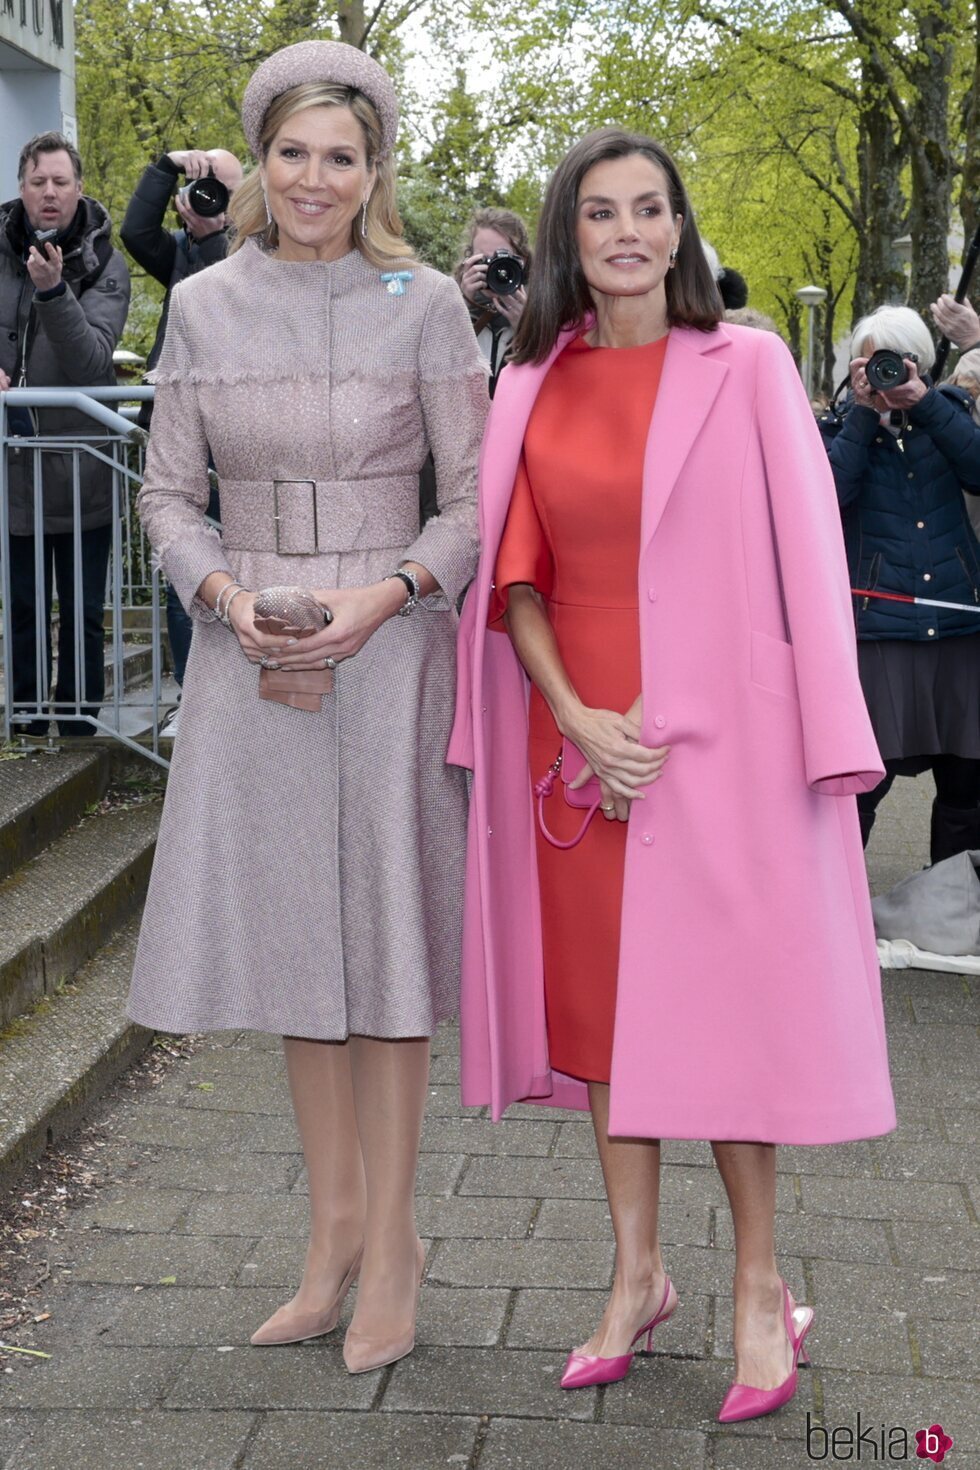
412, 586
228, 592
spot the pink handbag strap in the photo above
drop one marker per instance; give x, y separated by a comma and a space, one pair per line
544, 788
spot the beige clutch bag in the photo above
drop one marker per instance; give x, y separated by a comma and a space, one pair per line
294, 613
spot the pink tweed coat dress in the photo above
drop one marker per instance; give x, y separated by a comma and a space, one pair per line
309, 870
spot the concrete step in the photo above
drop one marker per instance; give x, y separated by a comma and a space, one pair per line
56, 912
56, 1061
41, 797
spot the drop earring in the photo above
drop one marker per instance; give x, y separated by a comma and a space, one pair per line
673, 256
268, 211
364, 218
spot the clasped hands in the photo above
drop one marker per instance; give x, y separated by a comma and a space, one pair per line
611, 745
357, 613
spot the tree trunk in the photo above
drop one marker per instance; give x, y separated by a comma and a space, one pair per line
880, 270
351, 22
931, 155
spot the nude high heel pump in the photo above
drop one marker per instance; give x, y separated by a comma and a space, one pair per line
582, 1370
365, 1354
291, 1325
743, 1402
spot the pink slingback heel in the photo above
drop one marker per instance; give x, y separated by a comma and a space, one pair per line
743, 1402
583, 1370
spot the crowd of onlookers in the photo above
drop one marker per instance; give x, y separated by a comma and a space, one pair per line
905, 454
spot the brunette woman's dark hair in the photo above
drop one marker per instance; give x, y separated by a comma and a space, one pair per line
559, 296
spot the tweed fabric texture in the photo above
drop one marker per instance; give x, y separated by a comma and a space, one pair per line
318, 61
308, 874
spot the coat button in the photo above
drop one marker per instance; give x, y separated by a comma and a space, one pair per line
659, 721
927, 576
920, 525
489, 831
652, 594
647, 839
931, 632
910, 475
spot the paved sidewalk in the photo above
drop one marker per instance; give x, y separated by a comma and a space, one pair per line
158, 1282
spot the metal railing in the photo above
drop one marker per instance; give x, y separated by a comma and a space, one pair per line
134, 590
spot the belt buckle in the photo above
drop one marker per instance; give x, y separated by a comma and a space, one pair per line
278, 518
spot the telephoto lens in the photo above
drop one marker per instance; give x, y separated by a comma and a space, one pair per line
505, 273
886, 369
207, 197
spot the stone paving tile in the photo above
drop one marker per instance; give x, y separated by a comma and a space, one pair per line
880, 1199
578, 1219
299, 1376
563, 1319
669, 1394
738, 1452
188, 1128
849, 1160
105, 1378
515, 1263
134, 1441
473, 1219
709, 1272
438, 1175
512, 1445
474, 1381
820, 1236
155, 1210
935, 1245
445, 1043
443, 1101
234, 1173
444, 1071
949, 1009
962, 1125
480, 1136
945, 1295
947, 1349
273, 1262
303, 1441
79, 1314
530, 1178
146, 1259
461, 1316
912, 1403
261, 1215
703, 1186
197, 1316
939, 1162
229, 1092
210, 1063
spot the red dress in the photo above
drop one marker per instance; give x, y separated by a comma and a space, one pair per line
573, 532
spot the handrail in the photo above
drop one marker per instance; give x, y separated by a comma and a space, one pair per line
81, 399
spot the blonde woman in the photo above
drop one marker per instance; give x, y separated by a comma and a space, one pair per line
309, 869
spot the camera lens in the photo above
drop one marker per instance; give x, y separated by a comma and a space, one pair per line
207, 197
505, 273
886, 369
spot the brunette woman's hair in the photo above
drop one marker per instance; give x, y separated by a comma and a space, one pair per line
506, 223
559, 296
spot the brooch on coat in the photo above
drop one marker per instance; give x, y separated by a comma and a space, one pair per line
395, 281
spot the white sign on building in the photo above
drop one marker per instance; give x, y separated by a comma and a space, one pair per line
37, 77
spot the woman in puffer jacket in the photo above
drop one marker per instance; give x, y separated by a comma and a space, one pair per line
901, 460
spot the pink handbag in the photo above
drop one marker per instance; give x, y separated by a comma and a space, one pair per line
568, 764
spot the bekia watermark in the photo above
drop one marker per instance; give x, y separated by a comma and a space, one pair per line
876, 1443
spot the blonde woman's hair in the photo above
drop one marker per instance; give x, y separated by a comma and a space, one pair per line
383, 244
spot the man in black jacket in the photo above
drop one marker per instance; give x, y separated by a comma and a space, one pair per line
64, 296
169, 256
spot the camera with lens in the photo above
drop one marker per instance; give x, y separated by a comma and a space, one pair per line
207, 196
505, 272
886, 369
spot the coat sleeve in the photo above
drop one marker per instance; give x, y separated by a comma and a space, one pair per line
951, 428
142, 231
848, 452
83, 330
840, 754
174, 497
455, 403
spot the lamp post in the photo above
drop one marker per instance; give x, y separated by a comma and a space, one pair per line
811, 296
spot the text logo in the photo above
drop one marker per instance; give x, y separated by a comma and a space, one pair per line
932, 1443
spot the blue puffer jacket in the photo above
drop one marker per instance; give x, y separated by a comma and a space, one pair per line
905, 522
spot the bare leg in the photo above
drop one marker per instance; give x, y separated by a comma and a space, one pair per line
323, 1104
763, 1356
389, 1085
631, 1170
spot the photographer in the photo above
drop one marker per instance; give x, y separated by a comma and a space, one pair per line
169, 256
902, 452
64, 296
495, 315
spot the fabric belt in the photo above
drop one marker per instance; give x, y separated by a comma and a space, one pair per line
307, 517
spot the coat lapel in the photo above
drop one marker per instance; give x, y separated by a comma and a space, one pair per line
690, 384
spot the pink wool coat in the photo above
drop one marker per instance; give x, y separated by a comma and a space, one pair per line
749, 1001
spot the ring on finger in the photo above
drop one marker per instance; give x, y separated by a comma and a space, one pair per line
329, 663
268, 663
